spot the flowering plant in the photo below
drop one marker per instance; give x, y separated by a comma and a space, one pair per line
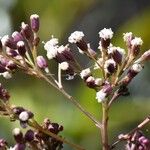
117, 68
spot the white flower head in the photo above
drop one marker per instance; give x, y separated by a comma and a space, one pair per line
137, 67
137, 41
98, 81
64, 65
53, 42
76, 37
90, 79
24, 116
84, 73
63, 48
108, 63
16, 131
34, 16
7, 75
100, 96
127, 36
106, 34
113, 49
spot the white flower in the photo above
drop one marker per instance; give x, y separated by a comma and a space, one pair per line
136, 67
76, 37
51, 43
90, 79
64, 65
127, 36
7, 75
52, 52
62, 48
20, 44
24, 116
84, 73
16, 131
106, 34
98, 81
34, 16
100, 96
137, 41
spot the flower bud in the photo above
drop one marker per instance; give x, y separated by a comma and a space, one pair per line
21, 48
35, 23
85, 73
64, 65
110, 66
11, 52
41, 62
127, 37
8, 41
17, 36
27, 32
135, 69
103, 93
29, 136
2, 69
117, 54
24, 116
135, 46
105, 35
77, 38
19, 146
90, 82
18, 135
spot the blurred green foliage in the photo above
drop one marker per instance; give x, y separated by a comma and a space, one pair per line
57, 18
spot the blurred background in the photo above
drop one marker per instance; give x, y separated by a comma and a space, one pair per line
60, 18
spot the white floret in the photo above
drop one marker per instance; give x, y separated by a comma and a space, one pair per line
106, 34
16, 131
24, 116
84, 73
127, 36
137, 41
76, 37
137, 67
100, 96
64, 65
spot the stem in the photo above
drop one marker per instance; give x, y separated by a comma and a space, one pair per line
104, 129
75, 102
35, 125
59, 77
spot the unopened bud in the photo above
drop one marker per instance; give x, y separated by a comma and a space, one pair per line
41, 62
8, 42
29, 136
18, 135
27, 32
85, 73
90, 82
21, 48
35, 23
17, 36
110, 66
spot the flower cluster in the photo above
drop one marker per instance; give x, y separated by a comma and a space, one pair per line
33, 138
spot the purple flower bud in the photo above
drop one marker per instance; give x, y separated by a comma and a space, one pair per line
2, 69
21, 48
11, 65
18, 110
18, 135
19, 146
34, 20
29, 136
11, 52
27, 32
90, 82
4, 95
17, 36
41, 62
8, 41
110, 66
